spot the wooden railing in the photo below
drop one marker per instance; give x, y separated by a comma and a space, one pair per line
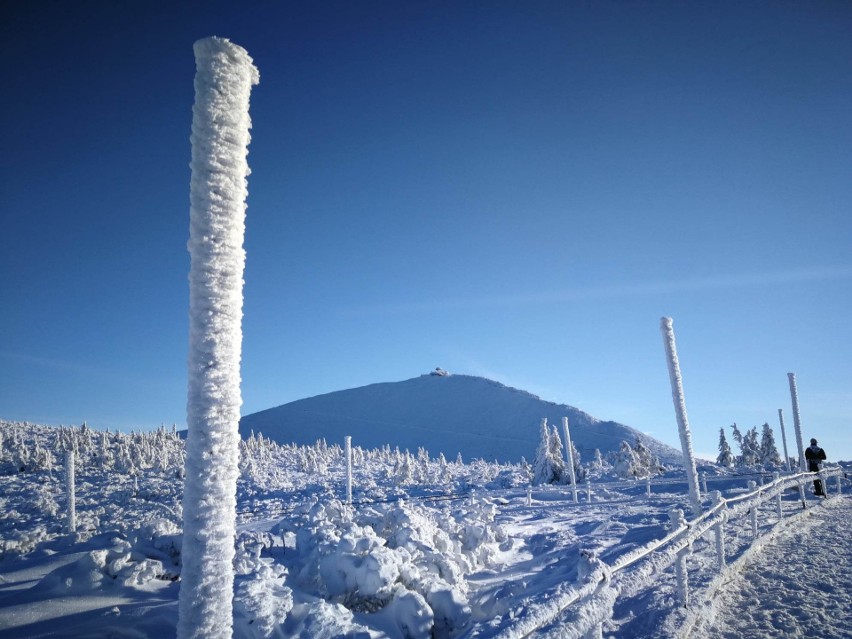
592, 598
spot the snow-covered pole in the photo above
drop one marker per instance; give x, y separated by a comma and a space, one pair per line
678, 520
648, 487
797, 423
348, 442
752, 485
70, 498
718, 533
570, 448
218, 189
704, 482
779, 507
588, 488
680, 412
784, 440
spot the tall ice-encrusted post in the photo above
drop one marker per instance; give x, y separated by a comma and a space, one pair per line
220, 136
797, 422
784, 440
569, 446
680, 412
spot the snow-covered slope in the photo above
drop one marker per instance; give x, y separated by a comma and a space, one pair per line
476, 417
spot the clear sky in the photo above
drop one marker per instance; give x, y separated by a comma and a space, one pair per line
518, 190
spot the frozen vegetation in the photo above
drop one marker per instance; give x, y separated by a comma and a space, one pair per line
429, 547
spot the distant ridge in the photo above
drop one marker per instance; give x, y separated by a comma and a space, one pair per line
474, 416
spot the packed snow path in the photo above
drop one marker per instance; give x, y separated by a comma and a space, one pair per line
799, 586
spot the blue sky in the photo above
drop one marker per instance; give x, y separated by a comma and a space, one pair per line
518, 190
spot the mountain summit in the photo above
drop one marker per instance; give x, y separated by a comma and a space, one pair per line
452, 414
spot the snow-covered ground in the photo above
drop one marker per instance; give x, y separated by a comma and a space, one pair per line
429, 548
798, 586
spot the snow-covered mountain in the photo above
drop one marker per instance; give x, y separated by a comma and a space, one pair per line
474, 416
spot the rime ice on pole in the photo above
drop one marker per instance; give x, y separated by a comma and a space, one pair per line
218, 190
680, 412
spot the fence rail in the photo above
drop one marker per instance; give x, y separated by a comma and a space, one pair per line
599, 585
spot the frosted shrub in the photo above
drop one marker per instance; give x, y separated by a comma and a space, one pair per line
45, 499
401, 561
263, 599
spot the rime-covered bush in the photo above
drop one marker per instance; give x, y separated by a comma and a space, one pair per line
385, 558
635, 462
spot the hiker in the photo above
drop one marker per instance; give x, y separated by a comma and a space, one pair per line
814, 454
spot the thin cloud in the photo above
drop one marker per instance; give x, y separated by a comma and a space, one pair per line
46, 362
662, 287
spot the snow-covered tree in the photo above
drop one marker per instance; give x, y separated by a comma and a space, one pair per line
768, 450
599, 464
751, 447
220, 136
543, 468
557, 461
647, 463
726, 457
737, 435
625, 461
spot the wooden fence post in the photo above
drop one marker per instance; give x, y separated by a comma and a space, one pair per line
70, 497
348, 442
585, 567
778, 505
716, 498
677, 518
752, 485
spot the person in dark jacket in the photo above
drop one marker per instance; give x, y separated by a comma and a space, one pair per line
814, 454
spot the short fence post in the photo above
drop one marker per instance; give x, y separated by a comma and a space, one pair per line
839, 490
648, 487
586, 567
70, 498
802, 494
348, 442
529, 495
678, 520
588, 489
753, 510
704, 482
823, 483
716, 498
778, 505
